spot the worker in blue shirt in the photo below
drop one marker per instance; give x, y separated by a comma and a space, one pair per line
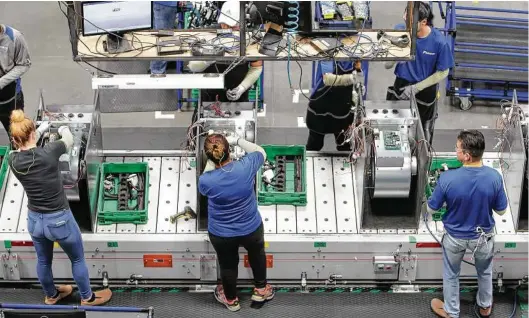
164, 19
233, 216
419, 78
330, 109
471, 194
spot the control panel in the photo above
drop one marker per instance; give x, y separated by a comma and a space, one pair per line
385, 264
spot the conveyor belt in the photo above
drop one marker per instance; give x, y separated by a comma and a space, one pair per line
367, 303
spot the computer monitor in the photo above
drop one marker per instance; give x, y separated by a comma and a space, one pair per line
114, 18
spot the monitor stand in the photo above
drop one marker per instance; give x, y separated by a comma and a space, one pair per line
117, 43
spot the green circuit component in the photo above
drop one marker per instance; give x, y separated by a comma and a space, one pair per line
438, 165
4, 151
391, 140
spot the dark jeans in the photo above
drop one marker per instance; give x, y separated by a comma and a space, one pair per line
60, 227
227, 249
316, 140
5, 112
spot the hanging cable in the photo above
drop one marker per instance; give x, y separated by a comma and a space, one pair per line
292, 29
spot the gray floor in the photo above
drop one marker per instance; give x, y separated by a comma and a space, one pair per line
63, 81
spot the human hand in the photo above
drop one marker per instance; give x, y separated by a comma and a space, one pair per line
232, 139
236, 93
410, 90
62, 129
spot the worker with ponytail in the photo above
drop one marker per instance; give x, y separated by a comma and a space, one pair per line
50, 219
233, 217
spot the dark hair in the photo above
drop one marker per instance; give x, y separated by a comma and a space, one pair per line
217, 148
425, 12
473, 142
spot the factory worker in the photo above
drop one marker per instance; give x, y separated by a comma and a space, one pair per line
50, 219
419, 78
164, 18
330, 109
471, 194
14, 62
233, 216
239, 79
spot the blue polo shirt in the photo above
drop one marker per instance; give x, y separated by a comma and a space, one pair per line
325, 67
433, 54
167, 3
232, 203
471, 194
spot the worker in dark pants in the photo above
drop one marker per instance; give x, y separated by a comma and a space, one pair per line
330, 109
233, 218
164, 18
420, 77
471, 193
14, 62
239, 79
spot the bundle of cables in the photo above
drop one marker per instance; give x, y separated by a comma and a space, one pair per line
125, 189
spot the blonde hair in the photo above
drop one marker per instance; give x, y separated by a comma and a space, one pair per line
217, 148
21, 128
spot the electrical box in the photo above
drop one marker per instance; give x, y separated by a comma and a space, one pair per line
384, 264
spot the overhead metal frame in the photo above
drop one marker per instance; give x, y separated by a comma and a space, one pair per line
75, 24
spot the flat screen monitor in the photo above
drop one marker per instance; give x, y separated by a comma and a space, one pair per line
103, 17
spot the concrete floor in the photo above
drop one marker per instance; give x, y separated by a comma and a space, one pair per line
66, 82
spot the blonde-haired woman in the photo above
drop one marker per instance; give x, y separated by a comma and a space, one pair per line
233, 217
49, 216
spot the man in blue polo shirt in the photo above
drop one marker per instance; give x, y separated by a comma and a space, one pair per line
419, 78
164, 19
471, 193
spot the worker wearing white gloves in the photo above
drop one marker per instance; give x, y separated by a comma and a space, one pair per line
233, 215
419, 78
240, 79
50, 219
330, 109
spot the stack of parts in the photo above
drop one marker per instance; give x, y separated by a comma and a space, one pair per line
123, 194
282, 180
491, 53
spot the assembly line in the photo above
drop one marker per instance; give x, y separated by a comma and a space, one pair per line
399, 203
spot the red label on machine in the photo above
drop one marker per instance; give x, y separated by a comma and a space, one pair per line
158, 260
427, 245
21, 243
269, 261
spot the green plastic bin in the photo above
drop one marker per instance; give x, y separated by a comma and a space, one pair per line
4, 152
289, 197
437, 163
107, 210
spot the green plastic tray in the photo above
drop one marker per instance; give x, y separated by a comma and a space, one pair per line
4, 151
107, 212
289, 197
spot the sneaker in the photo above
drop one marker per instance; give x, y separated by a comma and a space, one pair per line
438, 308
232, 305
64, 291
263, 294
485, 312
101, 297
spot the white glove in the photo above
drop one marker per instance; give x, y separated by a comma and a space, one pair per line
236, 93
330, 79
43, 127
62, 129
409, 91
198, 66
232, 139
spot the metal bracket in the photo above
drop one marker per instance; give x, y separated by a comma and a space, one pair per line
408, 268
208, 267
10, 268
304, 283
401, 289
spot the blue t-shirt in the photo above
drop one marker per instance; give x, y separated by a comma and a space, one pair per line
325, 67
167, 3
433, 54
471, 194
232, 204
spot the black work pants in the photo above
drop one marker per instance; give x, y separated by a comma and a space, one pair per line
5, 113
316, 141
227, 249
